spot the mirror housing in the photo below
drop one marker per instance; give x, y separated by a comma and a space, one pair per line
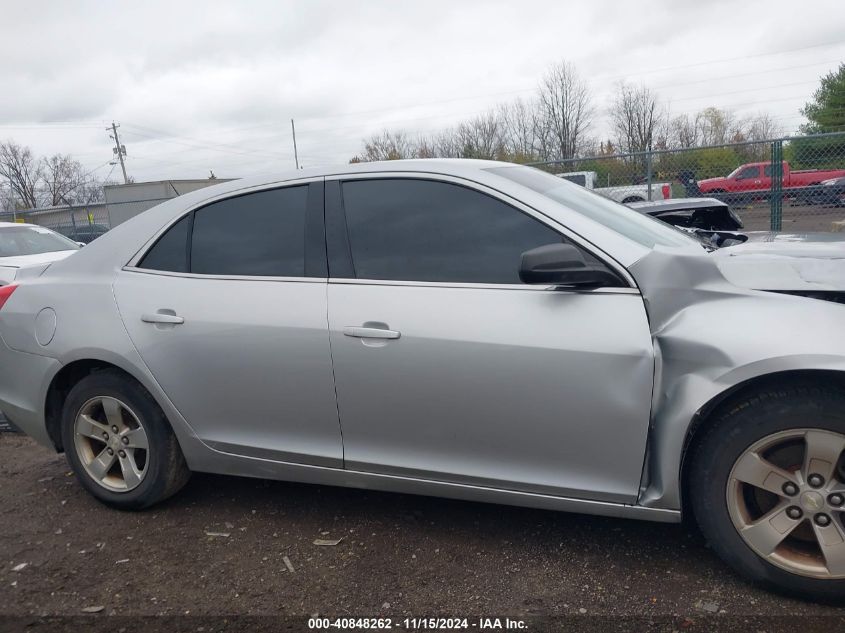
563, 265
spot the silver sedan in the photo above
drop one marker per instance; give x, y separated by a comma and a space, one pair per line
468, 329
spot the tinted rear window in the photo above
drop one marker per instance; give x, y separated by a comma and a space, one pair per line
170, 253
259, 234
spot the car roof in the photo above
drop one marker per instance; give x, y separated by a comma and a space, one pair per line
4, 225
677, 204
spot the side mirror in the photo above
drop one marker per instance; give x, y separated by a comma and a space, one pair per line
563, 265
80, 243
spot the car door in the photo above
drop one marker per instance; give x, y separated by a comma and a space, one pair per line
748, 179
448, 368
766, 178
228, 311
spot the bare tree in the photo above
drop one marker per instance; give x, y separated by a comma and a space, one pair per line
21, 170
481, 137
718, 127
62, 178
426, 147
447, 144
684, 131
556, 124
519, 126
763, 127
638, 121
387, 146
90, 191
565, 112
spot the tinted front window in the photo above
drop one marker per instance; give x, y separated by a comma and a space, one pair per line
420, 230
749, 172
261, 234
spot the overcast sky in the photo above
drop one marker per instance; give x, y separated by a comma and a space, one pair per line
212, 85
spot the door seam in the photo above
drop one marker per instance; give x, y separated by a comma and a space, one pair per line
334, 381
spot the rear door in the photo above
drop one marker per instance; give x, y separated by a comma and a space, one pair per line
228, 311
449, 368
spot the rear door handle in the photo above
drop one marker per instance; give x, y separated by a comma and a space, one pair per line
160, 317
370, 332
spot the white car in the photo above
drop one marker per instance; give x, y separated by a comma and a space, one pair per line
28, 244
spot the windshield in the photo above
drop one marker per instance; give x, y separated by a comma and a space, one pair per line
32, 240
617, 217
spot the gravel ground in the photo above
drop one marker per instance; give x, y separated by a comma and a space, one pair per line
795, 219
220, 547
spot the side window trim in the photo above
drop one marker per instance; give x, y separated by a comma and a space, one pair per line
189, 241
315, 264
339, 251
337, 235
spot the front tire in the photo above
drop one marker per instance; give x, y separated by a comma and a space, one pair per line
767, 487
119, 443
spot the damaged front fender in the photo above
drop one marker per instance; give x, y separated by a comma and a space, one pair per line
711, 337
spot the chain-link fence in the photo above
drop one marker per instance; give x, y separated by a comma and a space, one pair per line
788, 184
81, 223
86, 222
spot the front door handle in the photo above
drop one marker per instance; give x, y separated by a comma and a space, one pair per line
162, 317
370, 332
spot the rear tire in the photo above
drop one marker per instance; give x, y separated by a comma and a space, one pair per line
774, 437
119, 442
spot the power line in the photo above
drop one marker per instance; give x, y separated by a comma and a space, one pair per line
47, 126
751, 74
742, 57
203, 143
606, 78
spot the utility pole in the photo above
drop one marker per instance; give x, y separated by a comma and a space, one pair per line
295, 155
118, 149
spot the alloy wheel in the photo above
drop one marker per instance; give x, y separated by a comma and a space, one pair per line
786, 498
111, 444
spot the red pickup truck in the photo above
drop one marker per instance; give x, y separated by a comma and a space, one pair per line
758, 177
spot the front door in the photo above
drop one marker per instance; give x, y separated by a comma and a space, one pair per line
228, 311
748, 179
448, 368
